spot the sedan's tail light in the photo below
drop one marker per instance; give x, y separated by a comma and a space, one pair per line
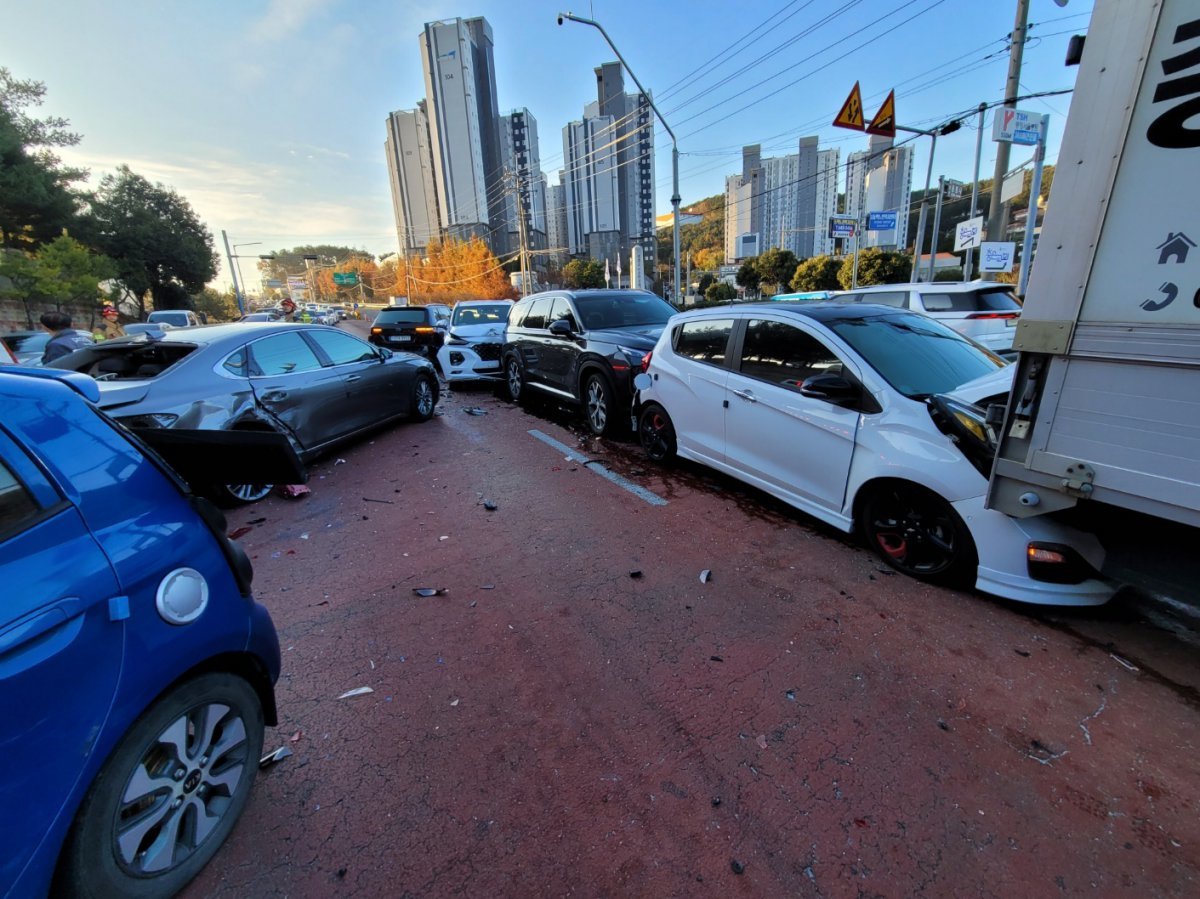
976, 315
646, 361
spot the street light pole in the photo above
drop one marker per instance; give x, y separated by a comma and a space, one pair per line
674, 143
237, 291
920, 238
238, 263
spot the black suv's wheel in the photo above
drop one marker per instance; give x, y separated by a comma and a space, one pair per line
424, 398
599, 404
169, 795
514, 380
916, 532
657, 433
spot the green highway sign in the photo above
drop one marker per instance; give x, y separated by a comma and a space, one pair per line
345, 279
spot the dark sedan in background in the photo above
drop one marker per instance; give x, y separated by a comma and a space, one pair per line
317, 386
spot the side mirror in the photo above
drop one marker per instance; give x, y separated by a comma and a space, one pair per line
831, 388
560, 327
385, 354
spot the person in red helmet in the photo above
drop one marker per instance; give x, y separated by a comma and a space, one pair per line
289, 310
112, 324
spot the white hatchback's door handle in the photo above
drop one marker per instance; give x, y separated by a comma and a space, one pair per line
746, 395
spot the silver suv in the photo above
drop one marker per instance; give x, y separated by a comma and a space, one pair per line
985, 311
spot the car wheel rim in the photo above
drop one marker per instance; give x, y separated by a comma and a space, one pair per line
913, 533
424, 397
514, 379
249, 493
656, 439
181, 789
597, 406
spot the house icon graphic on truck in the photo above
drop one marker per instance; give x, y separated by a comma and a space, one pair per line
1176, 245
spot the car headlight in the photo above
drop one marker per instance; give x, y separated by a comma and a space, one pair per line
151, 420
967, 426
453, 339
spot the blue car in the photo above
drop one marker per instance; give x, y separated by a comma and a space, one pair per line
137, 671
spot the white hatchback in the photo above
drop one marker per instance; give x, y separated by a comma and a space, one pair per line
867, 418
985, 311
474, 340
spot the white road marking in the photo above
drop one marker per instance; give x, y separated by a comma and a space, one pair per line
592, 465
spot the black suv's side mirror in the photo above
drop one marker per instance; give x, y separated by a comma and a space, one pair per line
831, 388
560, 327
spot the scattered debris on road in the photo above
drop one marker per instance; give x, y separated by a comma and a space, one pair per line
475, 410
357, 691
430, 591
489, 505
706, 575
272, 758
292, 491
737, 867
636, 573
239, 532
371, 499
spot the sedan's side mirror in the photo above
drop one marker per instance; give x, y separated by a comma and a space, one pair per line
385, 354
560, 327
831, 388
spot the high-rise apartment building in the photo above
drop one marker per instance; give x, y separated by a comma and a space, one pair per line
411, 176
556, 223
524, 184
782, 201
879, 179
608, 178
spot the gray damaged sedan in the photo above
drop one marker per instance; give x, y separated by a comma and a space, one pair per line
311, 385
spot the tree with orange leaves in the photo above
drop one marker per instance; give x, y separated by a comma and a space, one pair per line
451, 270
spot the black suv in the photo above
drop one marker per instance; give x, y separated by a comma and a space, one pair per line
416, 329
584, 346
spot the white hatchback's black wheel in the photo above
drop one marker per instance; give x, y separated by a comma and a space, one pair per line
917, 532
599, 405
169, 794
657, 433
243, 494
424, 397
514, 380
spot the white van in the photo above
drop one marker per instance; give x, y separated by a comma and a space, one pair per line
176, 318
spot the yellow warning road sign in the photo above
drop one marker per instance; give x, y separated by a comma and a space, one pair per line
885, 120
851, 115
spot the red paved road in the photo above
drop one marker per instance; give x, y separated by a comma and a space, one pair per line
835, 729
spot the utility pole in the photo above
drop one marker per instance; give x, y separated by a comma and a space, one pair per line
237, 291
687, 285
967, 264
937, 224
997, 222
524, 246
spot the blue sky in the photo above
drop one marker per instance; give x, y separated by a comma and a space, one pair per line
268, 115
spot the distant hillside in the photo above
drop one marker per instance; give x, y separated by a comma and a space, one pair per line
704, 240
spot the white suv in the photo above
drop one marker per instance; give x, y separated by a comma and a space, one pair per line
985, 311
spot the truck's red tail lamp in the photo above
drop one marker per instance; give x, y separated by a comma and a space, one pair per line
1055, 563
979, 315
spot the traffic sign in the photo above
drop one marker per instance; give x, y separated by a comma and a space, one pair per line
996, 256
881, 221
885, 120
1017, 126
968, 234
851, 115
345, 279
843, 226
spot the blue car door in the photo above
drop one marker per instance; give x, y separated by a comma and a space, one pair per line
60, 653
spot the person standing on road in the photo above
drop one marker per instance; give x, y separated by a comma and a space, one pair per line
289, 310
112, 324
64, 340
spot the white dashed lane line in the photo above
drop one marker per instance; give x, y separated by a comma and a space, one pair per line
592, 465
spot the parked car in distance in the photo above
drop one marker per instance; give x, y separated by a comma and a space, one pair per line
176, 318
417, 329
138, 671
315, 385
865, 417
474, 339
28, 346
258, 317
582, 346
146, 328
985, 311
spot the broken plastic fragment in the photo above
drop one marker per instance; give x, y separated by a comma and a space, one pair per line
761, 741
454, 702
705, 576
475, 410
293, 491
295, 738
636, 573
487, 587
272, 757
239, 532
340, 462
443, 537
489, 505
429, 591
357, 691
1123, 663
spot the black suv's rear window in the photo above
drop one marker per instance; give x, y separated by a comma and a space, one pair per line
997, 299
415, 316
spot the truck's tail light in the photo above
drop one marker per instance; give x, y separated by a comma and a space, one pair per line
977, 315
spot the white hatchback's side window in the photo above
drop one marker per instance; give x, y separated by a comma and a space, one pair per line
782, 354
705, 340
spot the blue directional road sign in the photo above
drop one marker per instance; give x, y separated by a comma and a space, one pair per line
881, 221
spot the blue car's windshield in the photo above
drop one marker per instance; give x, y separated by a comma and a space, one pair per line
915, 354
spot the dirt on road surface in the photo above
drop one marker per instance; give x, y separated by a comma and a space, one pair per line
577, 713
